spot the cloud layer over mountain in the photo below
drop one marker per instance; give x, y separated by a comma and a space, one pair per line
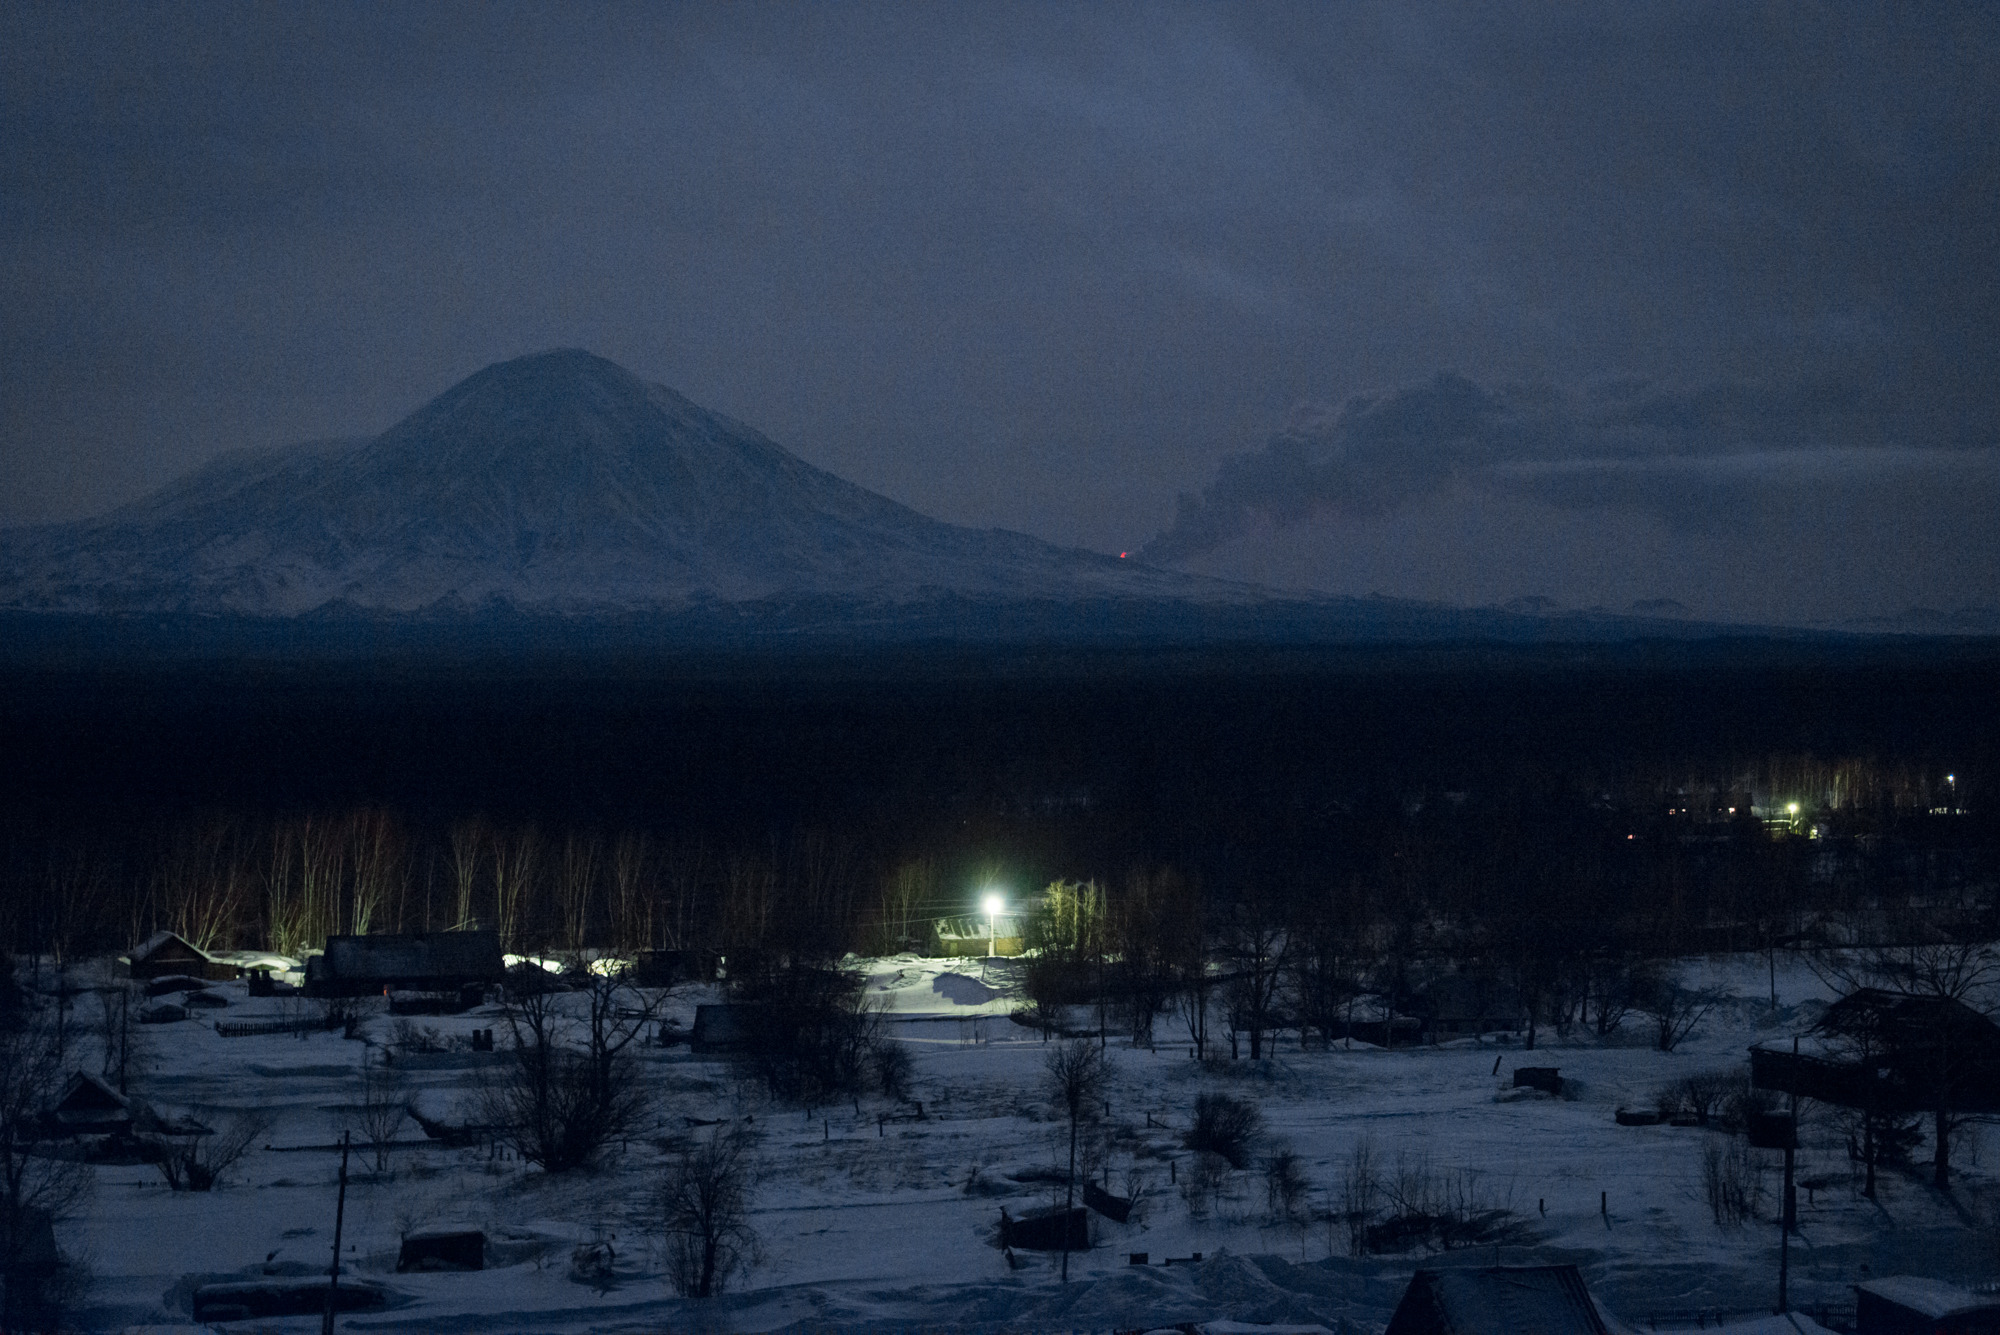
1707, 459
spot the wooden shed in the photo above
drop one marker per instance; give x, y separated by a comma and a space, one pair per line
165, 954
1497, 1300
725, 1027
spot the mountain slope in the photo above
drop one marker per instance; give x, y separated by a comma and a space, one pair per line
558, 483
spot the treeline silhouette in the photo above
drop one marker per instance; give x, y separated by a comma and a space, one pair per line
1397, 817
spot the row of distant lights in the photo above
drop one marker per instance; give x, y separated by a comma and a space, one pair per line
993, 905
1792, 808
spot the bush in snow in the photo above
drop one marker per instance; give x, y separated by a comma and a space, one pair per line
1360, 1192
892, 1069
1731, 1179
1704, 1096
1285, 1187
1203, 1182
1225, 1126
1674, 1010
383, 1108
197, 1163
705, 1213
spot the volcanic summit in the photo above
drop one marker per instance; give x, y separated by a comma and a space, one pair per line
556, 483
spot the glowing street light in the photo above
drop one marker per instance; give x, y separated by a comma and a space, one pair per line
993, 905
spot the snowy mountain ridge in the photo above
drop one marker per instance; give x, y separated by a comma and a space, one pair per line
555, 483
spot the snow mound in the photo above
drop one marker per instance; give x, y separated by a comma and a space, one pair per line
961, 990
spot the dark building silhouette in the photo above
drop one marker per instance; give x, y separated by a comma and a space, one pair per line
418, 962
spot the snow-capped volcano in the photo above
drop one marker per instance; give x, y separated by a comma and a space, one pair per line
558, 482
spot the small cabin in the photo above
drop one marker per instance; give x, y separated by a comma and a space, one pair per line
1910, 1305
1497, 1300
167, 954
447, 962
89, 1107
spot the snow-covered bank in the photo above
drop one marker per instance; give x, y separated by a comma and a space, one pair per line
867, 1224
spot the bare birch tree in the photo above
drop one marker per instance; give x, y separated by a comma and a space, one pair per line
377, 857
202, 887
468, 840
632, 892
516, 865
576, 879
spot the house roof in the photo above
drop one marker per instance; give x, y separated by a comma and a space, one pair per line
387, 957
1901, 1017
146, 949
88, 1101
970, 927
1929, 1297
1497, 1300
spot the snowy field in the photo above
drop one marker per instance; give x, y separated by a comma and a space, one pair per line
874, 1226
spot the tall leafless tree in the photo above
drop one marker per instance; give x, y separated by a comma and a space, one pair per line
1077, 1073
576, 884
516, 865
632, 874
559, 1101
469, 851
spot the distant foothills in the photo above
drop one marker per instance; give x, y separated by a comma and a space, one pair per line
559, 490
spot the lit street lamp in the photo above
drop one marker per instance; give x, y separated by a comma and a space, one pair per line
992, 904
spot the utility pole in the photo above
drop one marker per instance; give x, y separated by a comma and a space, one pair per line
1779, 1131
339, 1217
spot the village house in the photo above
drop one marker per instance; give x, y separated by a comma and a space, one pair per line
968, 935
434, 962
89, 1107
1885, 1051
166, 955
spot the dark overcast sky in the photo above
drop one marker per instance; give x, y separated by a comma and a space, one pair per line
1684, 301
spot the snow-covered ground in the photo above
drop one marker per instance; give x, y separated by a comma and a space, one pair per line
867, 1225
